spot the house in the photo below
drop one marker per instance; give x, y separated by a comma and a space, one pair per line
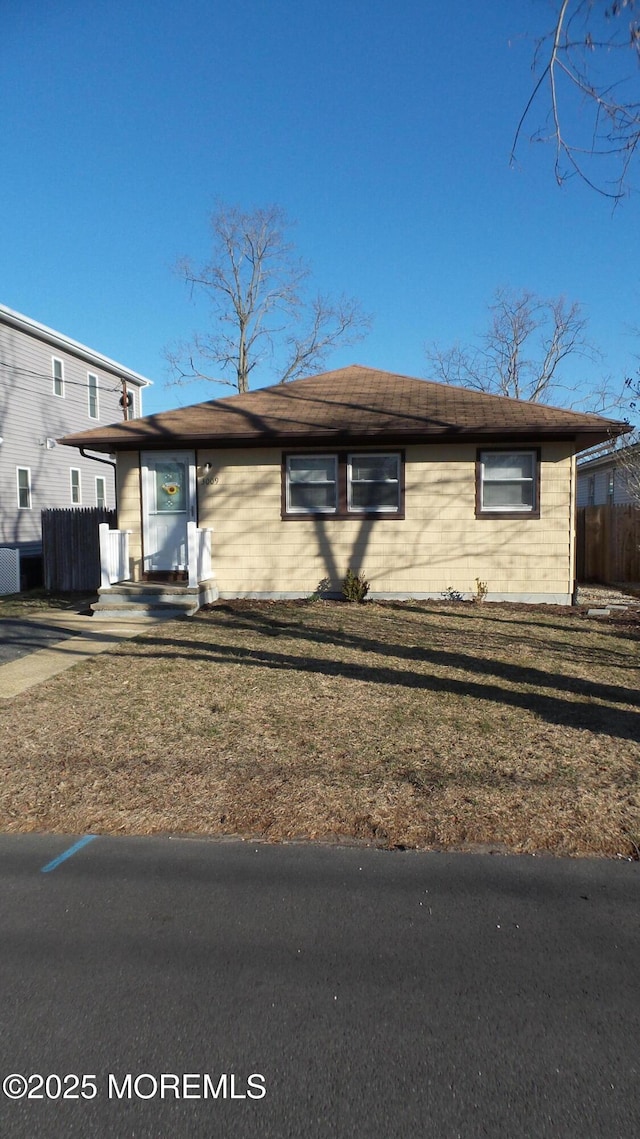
50, 386
276, 493
604, 479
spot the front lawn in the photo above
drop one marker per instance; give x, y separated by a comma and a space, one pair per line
33, 602
416, 724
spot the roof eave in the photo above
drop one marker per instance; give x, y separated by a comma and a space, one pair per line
123, 439
64, 343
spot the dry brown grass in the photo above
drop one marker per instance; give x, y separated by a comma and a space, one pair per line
33, 602
416, 724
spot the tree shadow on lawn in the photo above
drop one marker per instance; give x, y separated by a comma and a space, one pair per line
625, 625
262, 623
617, 722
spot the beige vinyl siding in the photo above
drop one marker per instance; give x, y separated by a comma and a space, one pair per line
439, 545
130, 507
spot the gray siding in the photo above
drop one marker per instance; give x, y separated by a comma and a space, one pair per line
31, 414
600, 476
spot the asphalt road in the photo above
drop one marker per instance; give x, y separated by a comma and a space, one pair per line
368, 993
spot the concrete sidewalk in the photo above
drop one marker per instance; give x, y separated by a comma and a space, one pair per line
73, 637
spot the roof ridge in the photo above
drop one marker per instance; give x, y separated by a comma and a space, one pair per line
440, 384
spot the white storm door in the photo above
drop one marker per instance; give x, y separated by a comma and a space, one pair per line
168, 503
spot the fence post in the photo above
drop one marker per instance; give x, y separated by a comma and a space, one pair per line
105, 555
192, 553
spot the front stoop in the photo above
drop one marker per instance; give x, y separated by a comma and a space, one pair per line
129, 600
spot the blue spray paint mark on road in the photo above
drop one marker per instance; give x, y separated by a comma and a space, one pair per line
67, 853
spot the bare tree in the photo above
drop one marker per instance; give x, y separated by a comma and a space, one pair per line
522, 352
587, 67
628, 448
629, 465
256, 285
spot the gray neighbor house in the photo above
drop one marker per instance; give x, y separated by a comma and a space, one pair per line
50, 385
603, 480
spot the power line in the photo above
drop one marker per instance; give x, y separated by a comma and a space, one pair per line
49, 376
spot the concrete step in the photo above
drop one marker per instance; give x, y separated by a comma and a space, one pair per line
134, 600
146, 600
141, 613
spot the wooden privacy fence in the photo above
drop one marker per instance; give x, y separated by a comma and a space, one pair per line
71, 548
608, 543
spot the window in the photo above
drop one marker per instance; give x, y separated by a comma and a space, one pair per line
75, 486
58, 377
24, 488
343, 484
312, 484
611, 488
93, 396
507, 483
592, 491
101, 492
373, 483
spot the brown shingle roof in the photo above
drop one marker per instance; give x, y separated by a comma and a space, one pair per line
353, 404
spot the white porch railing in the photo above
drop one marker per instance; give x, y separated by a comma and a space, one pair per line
199, 553
114, 555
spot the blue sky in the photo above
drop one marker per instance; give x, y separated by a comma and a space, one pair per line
383, 129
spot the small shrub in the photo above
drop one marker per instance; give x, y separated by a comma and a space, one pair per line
482, 590
321, 590
355, 586
451, 594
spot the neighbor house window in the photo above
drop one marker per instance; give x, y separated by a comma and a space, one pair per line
507, 483
93, 396
592, 491
24, 488
343, 484
75, 486
58, 376
611, 488
101, 492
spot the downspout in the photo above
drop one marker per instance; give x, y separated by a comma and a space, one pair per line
95, 459
110, 463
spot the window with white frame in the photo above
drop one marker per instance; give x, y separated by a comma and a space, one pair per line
342, 484
101, 491
58, 376
93, 396
507, 483
76, 496
24, 488
312, 484
373, 483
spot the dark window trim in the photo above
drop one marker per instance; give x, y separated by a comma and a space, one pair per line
342, 512
329, 512
484, 513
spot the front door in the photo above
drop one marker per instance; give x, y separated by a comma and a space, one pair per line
168, 503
